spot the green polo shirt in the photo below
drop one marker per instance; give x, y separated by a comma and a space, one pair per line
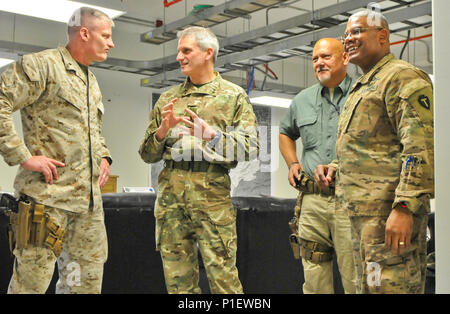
313, 117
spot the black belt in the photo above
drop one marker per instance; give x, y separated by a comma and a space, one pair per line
195, 166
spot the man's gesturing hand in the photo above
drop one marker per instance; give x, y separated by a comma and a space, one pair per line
199, 128
169, 120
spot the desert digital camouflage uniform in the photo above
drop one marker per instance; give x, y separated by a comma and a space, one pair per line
193, 204
385, 156
50, 89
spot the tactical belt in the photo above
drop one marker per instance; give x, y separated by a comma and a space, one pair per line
329, 191
195, 166
31, 225
309, 186
315, 252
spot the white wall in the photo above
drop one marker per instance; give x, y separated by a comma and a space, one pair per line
441, 25
280, 184
8, 173
127, 107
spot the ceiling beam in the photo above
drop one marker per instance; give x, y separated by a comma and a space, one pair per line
230, 10
266, 31
293, 42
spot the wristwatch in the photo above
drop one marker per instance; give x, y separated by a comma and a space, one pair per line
108, 159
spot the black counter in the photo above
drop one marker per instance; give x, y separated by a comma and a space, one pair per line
265, 261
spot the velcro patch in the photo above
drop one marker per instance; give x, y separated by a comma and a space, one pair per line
424, 101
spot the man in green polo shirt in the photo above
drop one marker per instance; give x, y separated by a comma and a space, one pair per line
313, 117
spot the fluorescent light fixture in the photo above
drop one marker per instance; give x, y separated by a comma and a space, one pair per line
270, 99
55, 10
7, 58
4, 62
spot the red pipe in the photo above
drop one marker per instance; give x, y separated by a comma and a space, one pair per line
168, 4
268, 69
411, 39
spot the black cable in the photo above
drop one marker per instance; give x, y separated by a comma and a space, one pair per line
406, 44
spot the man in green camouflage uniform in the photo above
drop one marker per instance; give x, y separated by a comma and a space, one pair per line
63, 160
201, 129
313, 116
385, 161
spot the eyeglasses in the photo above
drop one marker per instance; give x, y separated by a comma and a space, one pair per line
357, 31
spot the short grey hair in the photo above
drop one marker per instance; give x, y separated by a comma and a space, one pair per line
204, 38
80, 16
374, 18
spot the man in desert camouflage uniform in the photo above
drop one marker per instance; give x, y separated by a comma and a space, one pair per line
63, 159
201, 129
385, 161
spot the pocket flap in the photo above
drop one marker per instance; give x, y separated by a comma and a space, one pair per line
101, 107
307, 120
73, 99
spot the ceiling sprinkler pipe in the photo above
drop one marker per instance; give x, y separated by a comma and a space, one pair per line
411, 39
169, 3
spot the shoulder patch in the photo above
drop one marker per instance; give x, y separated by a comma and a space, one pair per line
424, 101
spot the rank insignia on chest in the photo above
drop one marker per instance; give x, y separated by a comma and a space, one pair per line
424, 101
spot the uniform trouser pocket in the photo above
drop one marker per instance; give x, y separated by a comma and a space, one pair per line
385, 272
218, 246
178, 237
381, 271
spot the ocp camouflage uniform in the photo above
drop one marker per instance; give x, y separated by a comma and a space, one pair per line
60, 122
193, 204
385, 157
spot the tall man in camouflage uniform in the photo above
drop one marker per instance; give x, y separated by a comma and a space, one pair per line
193, 205
313, 116
63, 160
385, 161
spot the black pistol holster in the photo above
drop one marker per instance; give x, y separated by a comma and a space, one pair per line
29, 224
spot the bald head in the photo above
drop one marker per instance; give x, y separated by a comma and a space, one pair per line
332, 44
329, 62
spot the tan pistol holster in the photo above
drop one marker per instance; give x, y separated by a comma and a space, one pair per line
31, 225
315, 252
294, 239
